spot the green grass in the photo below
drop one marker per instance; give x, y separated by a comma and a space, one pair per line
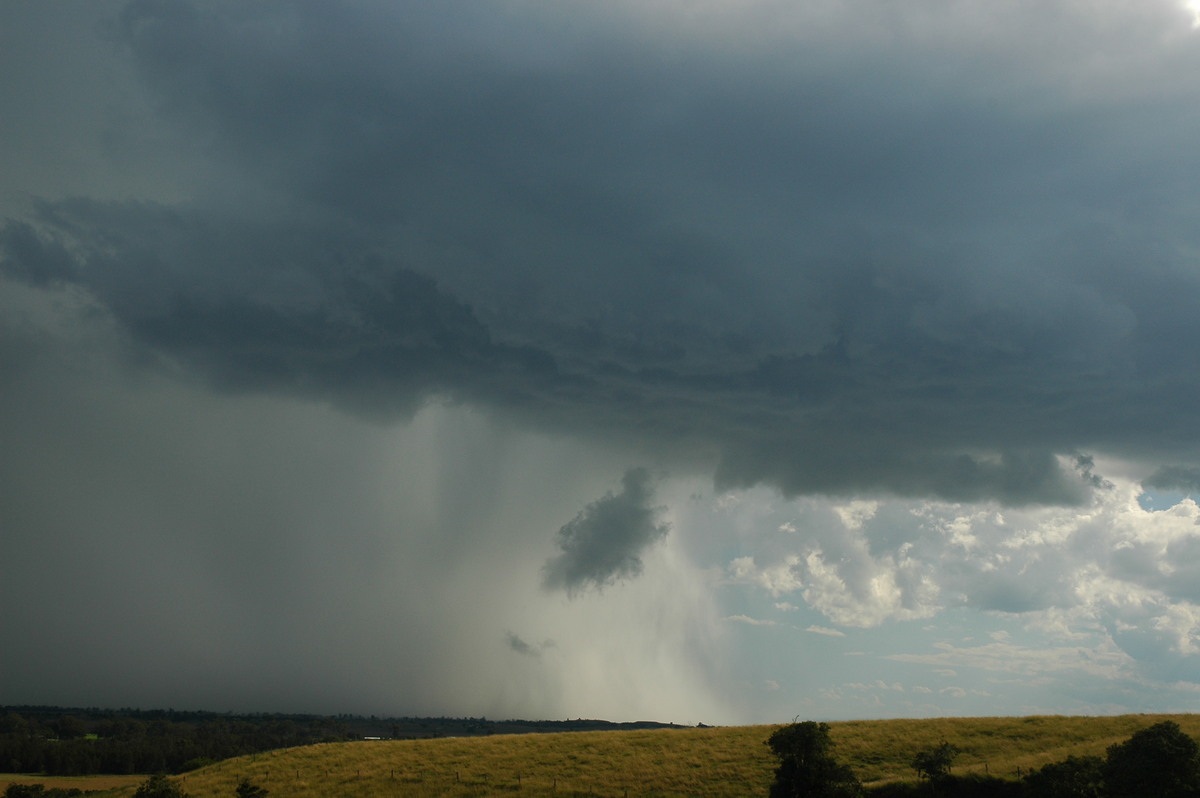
716, 762
882, 750
84, 783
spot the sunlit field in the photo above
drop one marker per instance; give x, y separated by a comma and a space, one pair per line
84, 783
731, 761
882, 750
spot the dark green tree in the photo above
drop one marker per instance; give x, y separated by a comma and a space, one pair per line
1157, 762
806, 766
40, 791
248, 789
1074, 777
159, 786
935, 764
25, 791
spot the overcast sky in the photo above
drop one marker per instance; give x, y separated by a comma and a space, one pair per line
691, 360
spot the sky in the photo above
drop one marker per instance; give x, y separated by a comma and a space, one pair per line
722, 361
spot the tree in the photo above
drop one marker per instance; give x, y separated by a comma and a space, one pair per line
1157, 762
25, 791
40, 791
935, 765
159, 786
806, 766
247, 789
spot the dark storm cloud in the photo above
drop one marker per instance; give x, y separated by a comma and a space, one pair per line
604, 543
1182, 478
272, 309
907, 253
521, 646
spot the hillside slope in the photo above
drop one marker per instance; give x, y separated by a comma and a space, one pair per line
716, 762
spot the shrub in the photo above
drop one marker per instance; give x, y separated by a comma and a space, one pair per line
935, 764
973, 785
159, 786
247, 789
39, 791
25, 791
1074, 777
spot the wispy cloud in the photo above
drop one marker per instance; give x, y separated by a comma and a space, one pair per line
1106, 661
825, 630
746, 619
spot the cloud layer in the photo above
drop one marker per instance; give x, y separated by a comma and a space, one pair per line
855, 255
335, 313
1115, 583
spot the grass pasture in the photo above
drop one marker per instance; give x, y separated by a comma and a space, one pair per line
711, 762
85, 783
732, 761
882, 750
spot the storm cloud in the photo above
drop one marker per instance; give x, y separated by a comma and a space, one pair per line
604, 542
1175, 478
886, 279
471, 260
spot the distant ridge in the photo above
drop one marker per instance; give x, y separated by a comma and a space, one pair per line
349, 725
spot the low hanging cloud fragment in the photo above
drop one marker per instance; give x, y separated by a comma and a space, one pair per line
1180, 478
523, 647
603, 544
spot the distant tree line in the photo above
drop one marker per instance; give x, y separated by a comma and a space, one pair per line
82, 742
157, 786
58, 741
61, 741
38, 791
1160, 761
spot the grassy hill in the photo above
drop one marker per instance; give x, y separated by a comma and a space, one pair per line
731, 761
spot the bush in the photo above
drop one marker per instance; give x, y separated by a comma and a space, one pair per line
973, 785
159, 786
1074, 777
935, 765
25, 791
247, 789
39, 791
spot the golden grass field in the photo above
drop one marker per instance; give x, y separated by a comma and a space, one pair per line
71, 782
730, 761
